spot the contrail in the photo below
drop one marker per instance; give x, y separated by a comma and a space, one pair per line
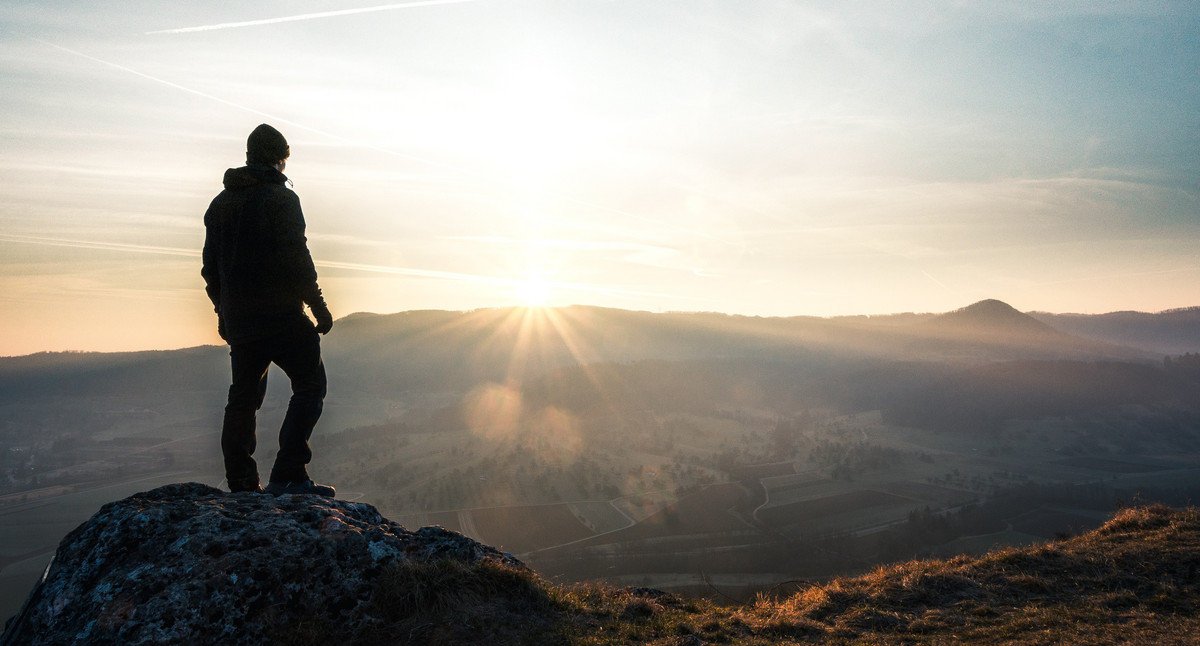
306, 16
936, 281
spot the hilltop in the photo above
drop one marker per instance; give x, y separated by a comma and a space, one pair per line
365, 580
993, 318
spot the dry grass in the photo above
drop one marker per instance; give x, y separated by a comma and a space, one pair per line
1136, 580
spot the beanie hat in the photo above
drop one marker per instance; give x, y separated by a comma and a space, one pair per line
266, 146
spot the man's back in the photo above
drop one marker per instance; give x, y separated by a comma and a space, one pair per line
256, 262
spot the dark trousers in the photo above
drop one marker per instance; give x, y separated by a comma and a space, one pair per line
299, 357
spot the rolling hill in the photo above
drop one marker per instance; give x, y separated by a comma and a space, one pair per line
438, 350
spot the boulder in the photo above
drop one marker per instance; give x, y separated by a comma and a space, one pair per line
190, 564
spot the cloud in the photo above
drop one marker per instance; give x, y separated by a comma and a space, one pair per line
331, 264
491, 280
567, 245
107, 246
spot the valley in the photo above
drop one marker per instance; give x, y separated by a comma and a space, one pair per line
706, 454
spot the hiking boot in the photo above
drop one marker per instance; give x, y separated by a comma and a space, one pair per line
301, 487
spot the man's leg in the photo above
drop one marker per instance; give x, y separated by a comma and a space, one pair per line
249, 364
300, 359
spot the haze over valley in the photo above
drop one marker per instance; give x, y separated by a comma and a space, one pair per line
704, 452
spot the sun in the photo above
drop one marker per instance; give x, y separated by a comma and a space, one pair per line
533, 292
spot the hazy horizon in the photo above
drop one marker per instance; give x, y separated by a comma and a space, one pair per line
572, 323
757, 158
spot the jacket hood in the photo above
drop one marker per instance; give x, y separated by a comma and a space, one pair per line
253, 174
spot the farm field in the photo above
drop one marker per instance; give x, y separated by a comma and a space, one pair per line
654, 510
934, 495
817, 508
856, 509
805, 503
600, 516
796, 484
708, 511
714, 509
643, 505
528, 528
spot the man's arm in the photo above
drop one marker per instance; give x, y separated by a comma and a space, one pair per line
210, 269
210, 266
293, 247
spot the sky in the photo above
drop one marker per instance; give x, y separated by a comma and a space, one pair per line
768, 158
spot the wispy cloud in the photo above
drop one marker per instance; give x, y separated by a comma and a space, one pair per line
106, 246
333, 264
457, 170
566, 245
492, 280
307, 16
169, 84
266, 115
1109, 278
648, 255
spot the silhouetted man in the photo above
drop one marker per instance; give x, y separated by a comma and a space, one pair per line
259, 276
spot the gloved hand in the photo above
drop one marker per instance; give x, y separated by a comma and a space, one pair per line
324, 319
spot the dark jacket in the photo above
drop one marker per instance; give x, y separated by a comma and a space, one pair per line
257, 268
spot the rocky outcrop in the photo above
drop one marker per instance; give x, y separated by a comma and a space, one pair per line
190, 564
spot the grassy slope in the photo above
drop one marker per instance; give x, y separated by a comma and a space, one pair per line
1136, 580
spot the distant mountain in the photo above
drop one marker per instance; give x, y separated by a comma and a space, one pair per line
993, 320
112, 373
447, 351
982, 398
1172, 332
994, 330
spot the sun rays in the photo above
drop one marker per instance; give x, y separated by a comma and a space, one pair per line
533, 345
